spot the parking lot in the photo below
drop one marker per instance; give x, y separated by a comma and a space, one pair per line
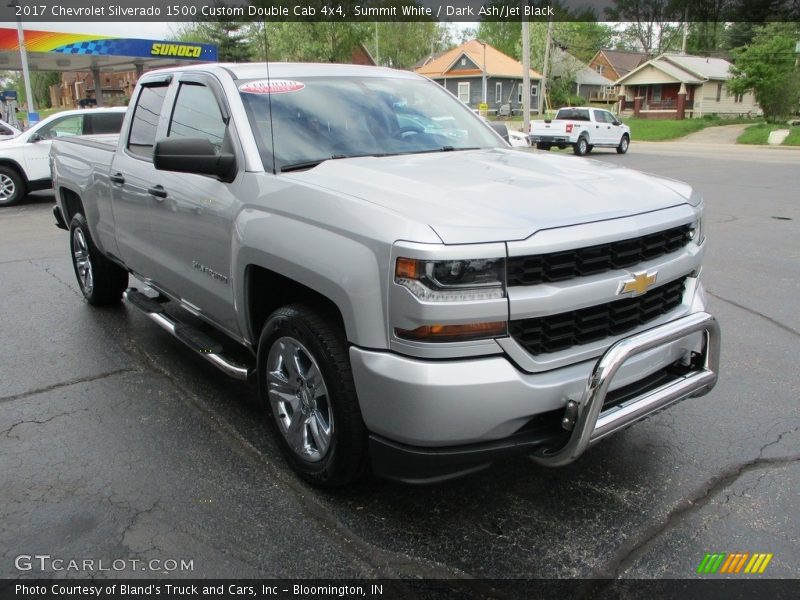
118, 443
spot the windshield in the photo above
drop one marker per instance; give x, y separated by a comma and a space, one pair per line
318, 118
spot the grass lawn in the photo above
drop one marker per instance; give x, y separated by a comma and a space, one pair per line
650, 130
794, 137
758, 134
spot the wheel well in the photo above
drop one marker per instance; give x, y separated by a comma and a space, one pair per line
72, 204
13, 165
267, 291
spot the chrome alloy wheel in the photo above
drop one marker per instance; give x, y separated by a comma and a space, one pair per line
83, 263
299, 399
7, 188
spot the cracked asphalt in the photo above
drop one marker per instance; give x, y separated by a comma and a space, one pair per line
117, 443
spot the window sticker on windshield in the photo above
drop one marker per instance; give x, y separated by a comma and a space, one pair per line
271, 86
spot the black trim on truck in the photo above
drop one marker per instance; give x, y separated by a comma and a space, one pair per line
60, 222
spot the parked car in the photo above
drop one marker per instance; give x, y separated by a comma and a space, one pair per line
7, 131
518, 139
25, 159
411, 302
582, 127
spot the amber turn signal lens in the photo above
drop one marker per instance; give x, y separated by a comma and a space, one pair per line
407, 268
453, 333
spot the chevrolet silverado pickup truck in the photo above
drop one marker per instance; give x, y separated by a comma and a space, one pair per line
415, 301
24, 159
583, 128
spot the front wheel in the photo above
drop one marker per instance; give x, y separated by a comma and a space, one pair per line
624, 143
101, 281
12, 188
581, 147
307, 386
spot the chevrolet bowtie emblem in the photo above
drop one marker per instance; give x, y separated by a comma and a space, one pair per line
640, 283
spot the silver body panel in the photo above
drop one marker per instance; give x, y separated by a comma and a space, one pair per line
338, 229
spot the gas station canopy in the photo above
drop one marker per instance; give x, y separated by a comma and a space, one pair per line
52, 51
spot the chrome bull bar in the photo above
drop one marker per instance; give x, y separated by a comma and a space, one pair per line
591, 426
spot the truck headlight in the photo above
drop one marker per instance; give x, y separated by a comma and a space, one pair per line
696, 233
452, 280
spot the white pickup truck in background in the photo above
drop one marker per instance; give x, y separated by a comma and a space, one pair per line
583, 128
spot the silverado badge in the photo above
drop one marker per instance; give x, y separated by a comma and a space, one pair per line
640, 283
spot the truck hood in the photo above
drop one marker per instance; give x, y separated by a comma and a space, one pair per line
497, 194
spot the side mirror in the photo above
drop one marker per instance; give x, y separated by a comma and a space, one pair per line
500, 128
193, 155
35, 138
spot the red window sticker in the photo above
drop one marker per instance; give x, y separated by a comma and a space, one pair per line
271, 86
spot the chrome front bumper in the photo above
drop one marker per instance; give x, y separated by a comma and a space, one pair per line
592, 425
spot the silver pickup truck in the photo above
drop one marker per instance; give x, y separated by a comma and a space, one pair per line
412, 296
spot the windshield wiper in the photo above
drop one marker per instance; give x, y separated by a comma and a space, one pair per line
308, 164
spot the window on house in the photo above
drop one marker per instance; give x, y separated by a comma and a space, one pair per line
738, 98
656, 93
535, 90
599, 69
719, 91
463, 91
463, 62
498, 92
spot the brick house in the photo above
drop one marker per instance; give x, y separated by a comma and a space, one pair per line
673, 86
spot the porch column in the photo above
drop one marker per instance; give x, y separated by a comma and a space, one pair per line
98, 86
621, 99
637, 106
681, 103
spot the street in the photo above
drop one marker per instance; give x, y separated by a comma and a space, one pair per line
116, 442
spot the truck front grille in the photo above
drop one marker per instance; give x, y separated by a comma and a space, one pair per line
542, 335
559, 266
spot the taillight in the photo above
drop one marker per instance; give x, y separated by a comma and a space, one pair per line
569, 127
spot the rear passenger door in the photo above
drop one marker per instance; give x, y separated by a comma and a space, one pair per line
601, 133
131, 178
193, 218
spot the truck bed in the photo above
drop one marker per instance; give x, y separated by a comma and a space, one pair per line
105, 141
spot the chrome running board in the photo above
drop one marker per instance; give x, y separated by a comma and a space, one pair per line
194, 338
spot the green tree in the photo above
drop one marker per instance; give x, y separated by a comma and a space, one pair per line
651, 24
401, 44
767, 67
232, 38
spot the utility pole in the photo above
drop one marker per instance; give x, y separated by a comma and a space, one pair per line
548, 43
685, 30
33, 116
526, 70
377, 48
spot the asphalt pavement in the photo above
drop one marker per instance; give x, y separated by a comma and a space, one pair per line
118, 443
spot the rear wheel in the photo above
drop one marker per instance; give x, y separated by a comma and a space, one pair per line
581, 147
624, 143
12, 187
307, 386
101, 281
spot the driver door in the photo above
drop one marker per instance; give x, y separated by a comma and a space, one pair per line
37, 153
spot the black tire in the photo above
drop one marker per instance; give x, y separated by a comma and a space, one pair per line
581, 147
106, 280
12, 186
624, 144
542, 146
317, 342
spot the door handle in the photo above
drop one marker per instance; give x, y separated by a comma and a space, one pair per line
158, 191
117, 178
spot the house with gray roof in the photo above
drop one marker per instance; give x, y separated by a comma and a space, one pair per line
586, 82
678, 86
